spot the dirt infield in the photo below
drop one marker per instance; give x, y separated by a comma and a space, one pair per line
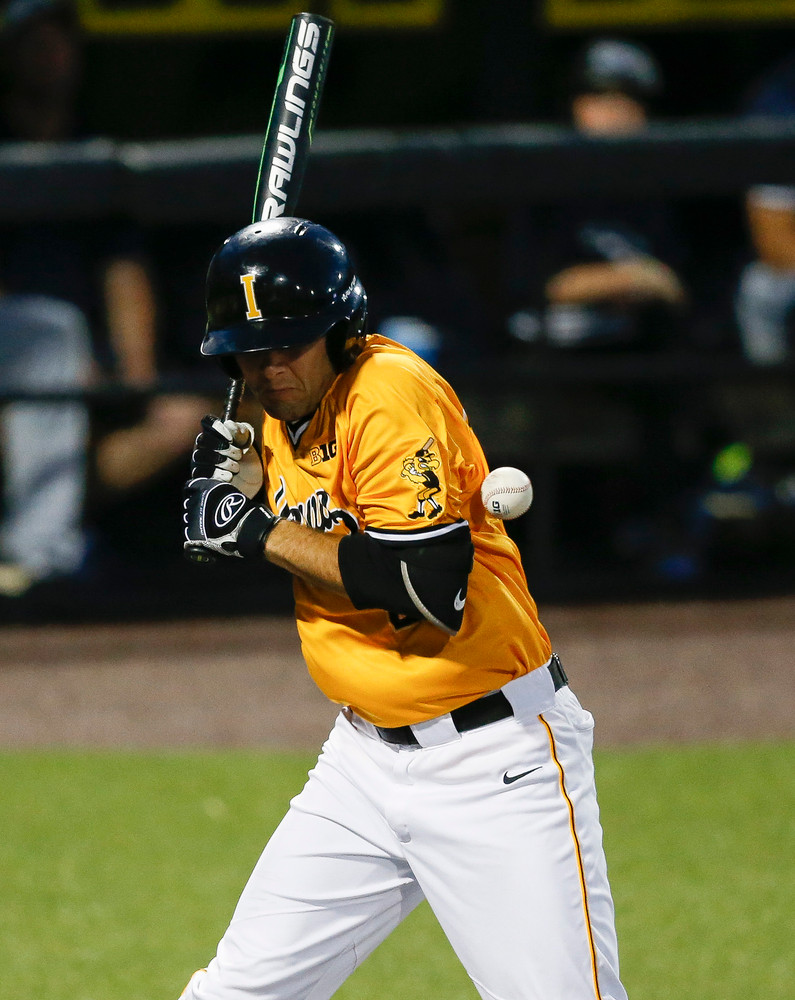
650, 673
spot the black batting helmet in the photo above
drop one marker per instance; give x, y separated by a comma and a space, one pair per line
282, 283
612, 64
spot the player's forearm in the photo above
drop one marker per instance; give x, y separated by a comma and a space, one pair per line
305, 552
639, 279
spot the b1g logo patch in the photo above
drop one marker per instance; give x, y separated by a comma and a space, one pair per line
323, 452
420, 469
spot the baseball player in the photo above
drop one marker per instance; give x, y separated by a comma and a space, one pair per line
459, 768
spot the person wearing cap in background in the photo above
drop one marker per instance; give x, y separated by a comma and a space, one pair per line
598, 274
75, 298
608, 273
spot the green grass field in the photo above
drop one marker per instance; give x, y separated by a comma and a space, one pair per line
119, 871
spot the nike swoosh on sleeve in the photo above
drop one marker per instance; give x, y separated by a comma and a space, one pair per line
459, 601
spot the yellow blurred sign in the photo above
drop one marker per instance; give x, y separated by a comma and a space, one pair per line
163, 17
642, 13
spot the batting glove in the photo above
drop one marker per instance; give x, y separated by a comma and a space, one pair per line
220, 520
216, 456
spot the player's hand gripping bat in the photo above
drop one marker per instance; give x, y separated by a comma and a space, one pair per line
285, 151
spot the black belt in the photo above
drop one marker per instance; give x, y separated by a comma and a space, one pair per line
489, 708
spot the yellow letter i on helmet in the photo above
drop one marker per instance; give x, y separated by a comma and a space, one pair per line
247, 281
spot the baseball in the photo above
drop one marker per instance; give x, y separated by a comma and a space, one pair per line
506, 493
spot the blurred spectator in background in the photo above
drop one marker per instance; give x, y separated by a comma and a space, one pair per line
766, 294
599, 274
44, 345
592, 273
602, 273
76, 304
745, 513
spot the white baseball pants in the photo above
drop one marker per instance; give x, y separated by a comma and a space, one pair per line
512, 867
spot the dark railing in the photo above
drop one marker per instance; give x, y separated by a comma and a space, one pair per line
491, 166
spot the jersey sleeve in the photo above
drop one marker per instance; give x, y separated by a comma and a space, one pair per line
403, 457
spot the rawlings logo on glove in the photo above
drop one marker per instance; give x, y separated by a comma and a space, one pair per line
220, 520
228, 509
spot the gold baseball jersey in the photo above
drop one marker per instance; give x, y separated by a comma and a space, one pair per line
390, 451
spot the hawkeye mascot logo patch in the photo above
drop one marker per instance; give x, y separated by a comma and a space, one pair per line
420, 469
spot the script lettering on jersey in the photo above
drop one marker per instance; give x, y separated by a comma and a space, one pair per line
316, 511
323, 452
280, 169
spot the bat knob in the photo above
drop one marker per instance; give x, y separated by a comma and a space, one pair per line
197, 554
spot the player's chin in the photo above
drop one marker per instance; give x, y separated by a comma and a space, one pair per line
283, 405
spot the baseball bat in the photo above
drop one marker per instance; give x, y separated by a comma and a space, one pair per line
288, 137
285, 151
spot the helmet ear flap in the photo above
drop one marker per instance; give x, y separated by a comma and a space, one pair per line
345, 340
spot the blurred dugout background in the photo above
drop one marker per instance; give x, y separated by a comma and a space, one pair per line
662, 450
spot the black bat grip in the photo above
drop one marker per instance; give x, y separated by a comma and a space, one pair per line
234, 394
